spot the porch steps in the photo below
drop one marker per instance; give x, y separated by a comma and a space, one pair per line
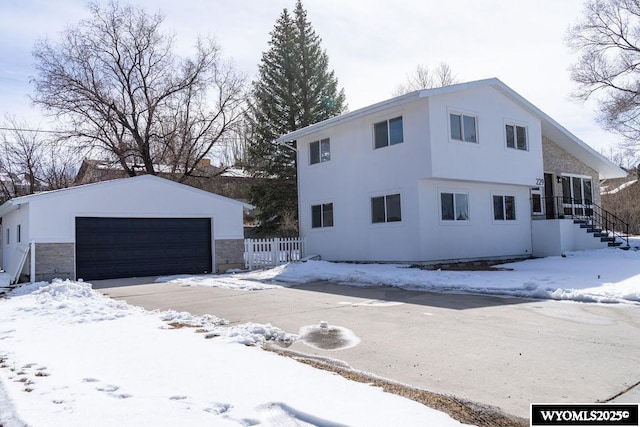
604, 236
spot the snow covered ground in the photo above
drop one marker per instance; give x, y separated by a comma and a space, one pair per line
602, 276
70, 356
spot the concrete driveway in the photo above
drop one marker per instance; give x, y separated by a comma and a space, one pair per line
504, 352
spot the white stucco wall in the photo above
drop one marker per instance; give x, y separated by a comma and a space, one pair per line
481, 236
357, 172
12, 250
489, 160
52, 216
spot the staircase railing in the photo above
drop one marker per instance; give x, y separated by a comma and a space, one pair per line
559, 207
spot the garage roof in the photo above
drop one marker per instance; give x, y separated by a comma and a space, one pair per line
15, 203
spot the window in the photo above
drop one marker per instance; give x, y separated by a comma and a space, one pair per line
504, 208
18, 234
388, 132
319, 151
577, 195
463, 127
386, 209
322, 215
8, 235
516, 137
454, 206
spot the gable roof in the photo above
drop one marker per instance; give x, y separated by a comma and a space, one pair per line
15, 203
550, 128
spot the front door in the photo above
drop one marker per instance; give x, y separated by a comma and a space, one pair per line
549, 200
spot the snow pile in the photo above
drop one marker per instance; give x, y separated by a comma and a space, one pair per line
229, 281
605, 276
214, 327
121, 365
252, 334
70, 302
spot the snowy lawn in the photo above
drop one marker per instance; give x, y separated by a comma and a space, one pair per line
606, 275
70, 356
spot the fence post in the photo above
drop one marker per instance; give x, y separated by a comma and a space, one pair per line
249, 249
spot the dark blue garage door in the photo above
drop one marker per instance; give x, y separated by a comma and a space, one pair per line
109, 248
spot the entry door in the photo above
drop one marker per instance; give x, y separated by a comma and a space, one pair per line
549, 200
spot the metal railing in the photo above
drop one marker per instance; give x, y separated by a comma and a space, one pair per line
559, 207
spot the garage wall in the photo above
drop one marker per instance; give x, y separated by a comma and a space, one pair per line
53, 215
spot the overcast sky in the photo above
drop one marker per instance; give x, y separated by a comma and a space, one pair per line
372, 45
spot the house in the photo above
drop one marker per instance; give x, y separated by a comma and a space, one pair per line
468, 171
140, 226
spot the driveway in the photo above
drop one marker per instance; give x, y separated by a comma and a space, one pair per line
504, 352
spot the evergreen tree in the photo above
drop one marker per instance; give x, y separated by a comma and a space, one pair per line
295, 89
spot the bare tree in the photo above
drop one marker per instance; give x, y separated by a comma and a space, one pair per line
425, 78
118, 87
607, 38
31, 161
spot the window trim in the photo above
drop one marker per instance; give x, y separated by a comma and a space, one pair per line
387, 122
462, 114
386, 208
504, 220
454, 220
319, 142
516, 124
322, 219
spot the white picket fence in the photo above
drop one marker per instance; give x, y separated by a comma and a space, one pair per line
260, 253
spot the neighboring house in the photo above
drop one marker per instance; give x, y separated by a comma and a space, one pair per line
468, 171
232, 183
141, 226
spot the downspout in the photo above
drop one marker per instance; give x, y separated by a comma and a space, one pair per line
33, 262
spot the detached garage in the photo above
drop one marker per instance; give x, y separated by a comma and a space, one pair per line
131, 227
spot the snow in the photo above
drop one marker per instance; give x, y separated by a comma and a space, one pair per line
621, 187
600, 276
71, 356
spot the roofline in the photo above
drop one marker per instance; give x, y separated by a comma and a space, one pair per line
15, 203
607, 168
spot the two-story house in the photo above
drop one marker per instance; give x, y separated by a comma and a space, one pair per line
468, 171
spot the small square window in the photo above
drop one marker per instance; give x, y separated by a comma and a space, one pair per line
454, 206
389, 132
463, 127
386, 209
319, 151
504, 208
516, 137
322, 215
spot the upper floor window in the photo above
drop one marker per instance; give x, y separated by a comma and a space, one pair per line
454, 206
388, 132
504, 208
319, 151
464, 127
322, 215
516, 137
386, 209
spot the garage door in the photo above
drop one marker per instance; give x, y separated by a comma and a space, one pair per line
134, 247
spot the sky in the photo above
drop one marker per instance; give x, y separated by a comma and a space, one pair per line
372, 45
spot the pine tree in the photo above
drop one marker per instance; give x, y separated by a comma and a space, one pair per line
295, 89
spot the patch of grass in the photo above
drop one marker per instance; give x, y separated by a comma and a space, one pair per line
180, 325
42, 374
